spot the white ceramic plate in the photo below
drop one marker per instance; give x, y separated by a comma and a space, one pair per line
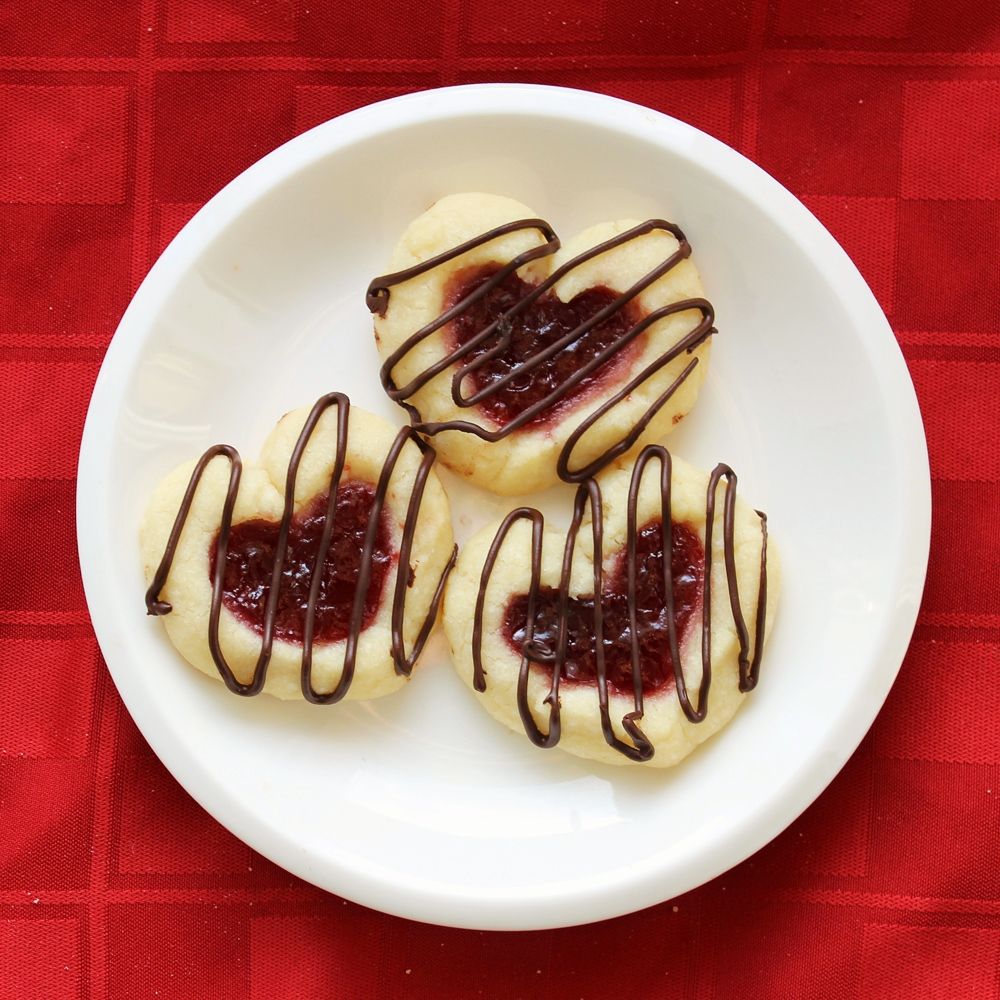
420, 804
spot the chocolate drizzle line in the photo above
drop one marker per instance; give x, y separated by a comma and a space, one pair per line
402, 661
589, 492
377, 299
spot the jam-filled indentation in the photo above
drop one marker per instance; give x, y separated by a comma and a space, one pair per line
541, 324
250, 564
687, 561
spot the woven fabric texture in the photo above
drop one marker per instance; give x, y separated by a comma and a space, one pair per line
118, 120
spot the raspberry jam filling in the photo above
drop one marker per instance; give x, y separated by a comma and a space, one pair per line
250, 563
687, 560
544, 322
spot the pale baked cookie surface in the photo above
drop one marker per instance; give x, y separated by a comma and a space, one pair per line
261, 498
672, 734
526, 459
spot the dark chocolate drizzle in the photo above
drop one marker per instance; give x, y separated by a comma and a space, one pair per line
640, 749
377, 299
402, 661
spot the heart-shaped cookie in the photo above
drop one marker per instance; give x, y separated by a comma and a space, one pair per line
529, 361
524, 609
316, 572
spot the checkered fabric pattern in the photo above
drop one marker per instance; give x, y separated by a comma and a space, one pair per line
118, 119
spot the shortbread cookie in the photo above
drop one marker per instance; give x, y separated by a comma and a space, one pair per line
528, 361
514, 584
355, 629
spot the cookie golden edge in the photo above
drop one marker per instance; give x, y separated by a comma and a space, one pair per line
526, 460
188, 588
664, 723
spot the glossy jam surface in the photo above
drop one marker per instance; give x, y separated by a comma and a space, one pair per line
687, 569
250, 563
543, 323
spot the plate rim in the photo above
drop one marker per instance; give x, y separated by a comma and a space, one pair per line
579, 901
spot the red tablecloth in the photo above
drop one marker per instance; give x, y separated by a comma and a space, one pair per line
117, 120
